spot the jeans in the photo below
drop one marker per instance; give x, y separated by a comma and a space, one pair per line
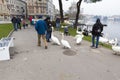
57, 26
15, 26
93, 41
48, 35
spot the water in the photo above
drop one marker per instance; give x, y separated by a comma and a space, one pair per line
112, 30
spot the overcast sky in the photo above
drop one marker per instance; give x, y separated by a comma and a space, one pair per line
105, 7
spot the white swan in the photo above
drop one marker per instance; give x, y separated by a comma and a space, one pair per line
116, 48
79, 32
79, 39
78, 35
54, 39
113, 41
65, 43
103, 40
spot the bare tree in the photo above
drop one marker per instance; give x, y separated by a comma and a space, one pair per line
61, 11
78, 10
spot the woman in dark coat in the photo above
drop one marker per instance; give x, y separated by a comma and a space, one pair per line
49, 29
96, 32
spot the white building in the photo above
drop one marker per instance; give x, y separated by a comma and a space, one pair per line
51, 9
17, 7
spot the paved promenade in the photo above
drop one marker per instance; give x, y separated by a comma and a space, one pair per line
30, 62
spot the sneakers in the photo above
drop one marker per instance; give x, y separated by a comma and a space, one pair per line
93, 47
46, 47
38, 45
48, 41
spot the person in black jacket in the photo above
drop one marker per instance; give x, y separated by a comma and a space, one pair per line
96, 32
49, 29
14, 22
19, 22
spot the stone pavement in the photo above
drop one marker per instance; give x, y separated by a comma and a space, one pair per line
30, 62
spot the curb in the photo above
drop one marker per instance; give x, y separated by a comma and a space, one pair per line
10, 33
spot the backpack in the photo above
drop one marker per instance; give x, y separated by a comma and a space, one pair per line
97, 29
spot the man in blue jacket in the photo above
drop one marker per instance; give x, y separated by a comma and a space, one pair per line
41, 28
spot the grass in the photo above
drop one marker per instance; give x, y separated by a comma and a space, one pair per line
72, 32
5, 29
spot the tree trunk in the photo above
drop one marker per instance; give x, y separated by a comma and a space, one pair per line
61, 11
77, 14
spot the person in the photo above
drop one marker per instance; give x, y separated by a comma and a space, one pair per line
57, 24
19, 22
41, 29
66, 31
30, 19
49, 29
14, 22
96, 32
24, 23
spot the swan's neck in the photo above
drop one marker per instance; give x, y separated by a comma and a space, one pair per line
62, 36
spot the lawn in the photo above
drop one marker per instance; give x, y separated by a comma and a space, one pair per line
5, 29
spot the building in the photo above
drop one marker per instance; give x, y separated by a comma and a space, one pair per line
40, 8
17, 7
4, 12
51, 9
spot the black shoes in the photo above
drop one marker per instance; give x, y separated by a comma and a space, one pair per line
46, 47
93, 47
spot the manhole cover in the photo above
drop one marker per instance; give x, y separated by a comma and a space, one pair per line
69, 52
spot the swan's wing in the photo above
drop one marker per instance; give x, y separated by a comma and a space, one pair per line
78, 40
65, 43
55, 40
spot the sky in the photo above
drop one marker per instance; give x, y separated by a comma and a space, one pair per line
105, 7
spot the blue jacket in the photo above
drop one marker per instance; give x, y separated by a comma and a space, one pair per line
41, 27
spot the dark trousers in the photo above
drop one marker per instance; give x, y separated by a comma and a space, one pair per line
48, 35
93, 41
19, 25
15, 26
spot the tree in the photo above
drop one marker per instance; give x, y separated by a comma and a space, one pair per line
61, 11
78, 10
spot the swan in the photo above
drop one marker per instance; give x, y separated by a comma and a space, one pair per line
116, 48
55, 39
64, 42
79, 32
79, 39
79, 35
113, 41
103, 40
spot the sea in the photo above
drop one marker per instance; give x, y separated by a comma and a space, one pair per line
112, 30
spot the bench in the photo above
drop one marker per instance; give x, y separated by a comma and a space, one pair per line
5, 44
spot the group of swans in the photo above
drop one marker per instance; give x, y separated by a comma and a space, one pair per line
79, 37
64, 42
